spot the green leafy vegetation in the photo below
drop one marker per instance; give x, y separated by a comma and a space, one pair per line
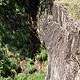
37, 76
19, 41
42, 56
21, 76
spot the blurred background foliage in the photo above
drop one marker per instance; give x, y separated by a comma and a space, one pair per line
73, 7
15, 26
19, 41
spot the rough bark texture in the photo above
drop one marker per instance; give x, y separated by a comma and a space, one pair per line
62, 40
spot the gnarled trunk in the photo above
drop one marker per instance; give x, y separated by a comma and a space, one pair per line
62, 41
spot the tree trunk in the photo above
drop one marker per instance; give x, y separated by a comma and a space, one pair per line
62, 40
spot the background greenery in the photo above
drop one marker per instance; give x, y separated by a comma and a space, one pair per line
19, 41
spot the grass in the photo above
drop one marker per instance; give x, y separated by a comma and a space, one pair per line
36, 76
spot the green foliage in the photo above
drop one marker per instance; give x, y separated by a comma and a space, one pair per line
37, 76
18, 40
30, 66
21, 76
42, 56
7, 64
31, 69
15, 27
14, 63
9, 78
1, 53
29, 61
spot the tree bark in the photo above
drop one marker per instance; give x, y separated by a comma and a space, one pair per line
62, 40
